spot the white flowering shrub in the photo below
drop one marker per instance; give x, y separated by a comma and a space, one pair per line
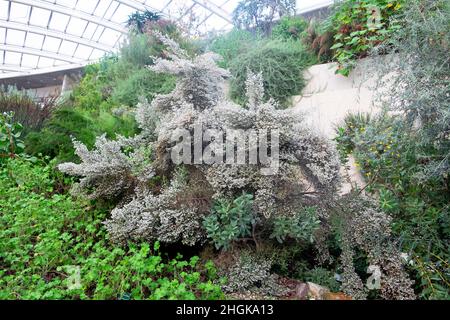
248, 273
308, 164
160, 198
364, 228
106, 171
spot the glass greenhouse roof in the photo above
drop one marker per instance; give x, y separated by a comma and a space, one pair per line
50, 35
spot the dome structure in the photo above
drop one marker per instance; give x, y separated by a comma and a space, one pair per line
49, 35
42, 36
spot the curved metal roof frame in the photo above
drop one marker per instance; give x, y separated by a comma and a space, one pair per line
47, 35
41, 35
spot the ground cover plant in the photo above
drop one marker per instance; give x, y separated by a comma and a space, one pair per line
55, 247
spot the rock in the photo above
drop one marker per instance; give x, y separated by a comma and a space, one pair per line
336, 296
316, 292
301, 291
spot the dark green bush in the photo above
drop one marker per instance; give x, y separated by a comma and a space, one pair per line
281, 63
55, 139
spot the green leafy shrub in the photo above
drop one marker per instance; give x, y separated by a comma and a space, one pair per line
419, 85
281, 64
290, 28
359, 26
230, 220
413, 177
55, 139
10, 133
89, 95
53, 247
300, 227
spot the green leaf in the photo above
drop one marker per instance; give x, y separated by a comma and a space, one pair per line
337, 46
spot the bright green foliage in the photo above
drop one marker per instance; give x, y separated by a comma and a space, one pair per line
55, 139
281, 64
230, 220
88, 94
390, 157
10, 132
290, 28
45, 238
360, 25
301, 227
